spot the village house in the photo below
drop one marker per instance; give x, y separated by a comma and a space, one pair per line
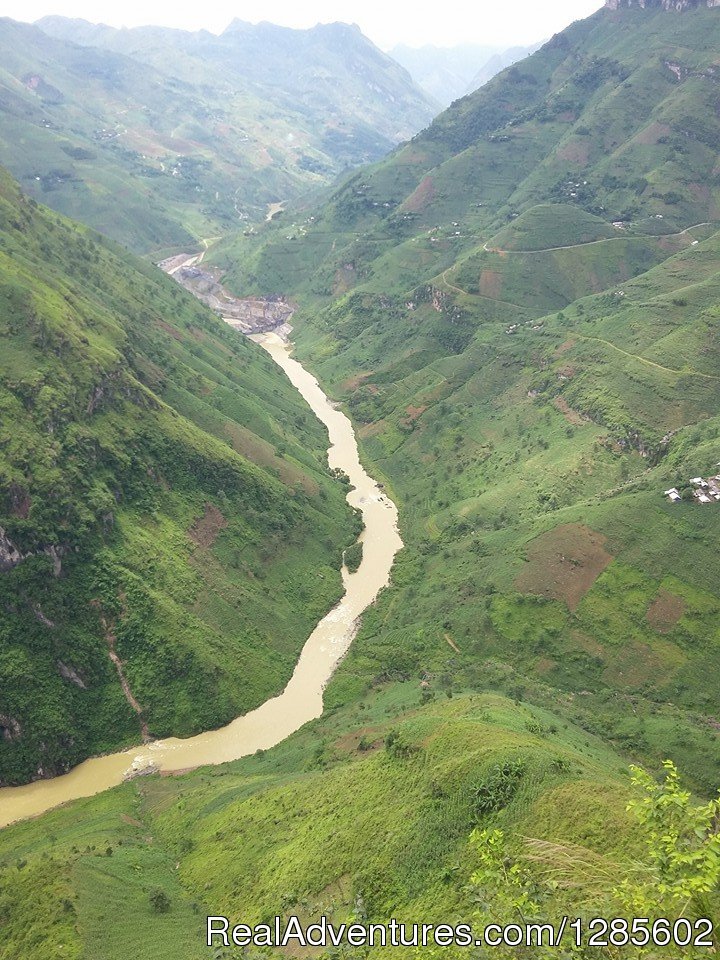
706, 491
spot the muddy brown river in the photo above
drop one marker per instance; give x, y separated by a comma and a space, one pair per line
302, 698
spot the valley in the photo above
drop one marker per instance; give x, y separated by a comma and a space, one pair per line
156, 137
302, 698
440, 648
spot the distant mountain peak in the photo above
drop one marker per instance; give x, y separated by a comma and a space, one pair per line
677, 5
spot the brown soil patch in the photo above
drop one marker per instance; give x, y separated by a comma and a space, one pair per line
204, 532
578, 151
490, 284
544, 666
414, 412
572, 416
344, 279
652, 133
564, 347
703, 194
372, 429
249, 445
177, 145
421, 196
564, 563
175, 333
352, 383
591, 646
130, 821
665, 611
349, 742
640, 664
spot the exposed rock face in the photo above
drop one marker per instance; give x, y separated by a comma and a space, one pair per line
247, 314
71, 674
678, 5
9, 728
10, 556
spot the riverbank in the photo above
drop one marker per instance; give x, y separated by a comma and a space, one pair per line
302, 699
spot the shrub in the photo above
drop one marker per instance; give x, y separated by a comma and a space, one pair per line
498, 787
159, 901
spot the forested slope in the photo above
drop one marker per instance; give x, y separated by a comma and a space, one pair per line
163, 497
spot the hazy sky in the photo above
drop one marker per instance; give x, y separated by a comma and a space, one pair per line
446, 23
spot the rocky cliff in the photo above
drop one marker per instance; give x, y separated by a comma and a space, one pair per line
678, 5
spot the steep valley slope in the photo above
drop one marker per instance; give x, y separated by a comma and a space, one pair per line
167, 520
520, 308
160, 137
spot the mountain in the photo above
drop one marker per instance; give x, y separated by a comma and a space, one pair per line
497, 62
159, 137
519, 308
443, 72
447, 73
330, 74
169, 531
677, 6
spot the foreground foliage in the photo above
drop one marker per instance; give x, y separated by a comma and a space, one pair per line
364, 815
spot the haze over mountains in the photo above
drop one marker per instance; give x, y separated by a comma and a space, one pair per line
519, 308
447, 73
196, 133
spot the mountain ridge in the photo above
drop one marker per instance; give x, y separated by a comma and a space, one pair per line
519, 307
670, 5
198, 133
162, 493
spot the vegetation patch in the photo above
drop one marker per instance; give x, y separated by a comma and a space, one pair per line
572, 416
353, 556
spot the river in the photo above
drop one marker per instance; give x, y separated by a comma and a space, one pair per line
302, 698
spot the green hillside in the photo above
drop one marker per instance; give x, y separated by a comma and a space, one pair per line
163, 494
160, 138
519, 309
363, 816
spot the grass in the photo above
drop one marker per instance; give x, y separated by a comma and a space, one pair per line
552, 617
508, 391
137, 415
316, 824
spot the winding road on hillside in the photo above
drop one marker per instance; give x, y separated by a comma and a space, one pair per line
632, 356
590, 243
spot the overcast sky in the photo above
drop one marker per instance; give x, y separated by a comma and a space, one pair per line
386, 23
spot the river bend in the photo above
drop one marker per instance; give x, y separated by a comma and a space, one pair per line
302, 698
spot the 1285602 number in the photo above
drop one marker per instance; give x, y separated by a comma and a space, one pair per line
643, 932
